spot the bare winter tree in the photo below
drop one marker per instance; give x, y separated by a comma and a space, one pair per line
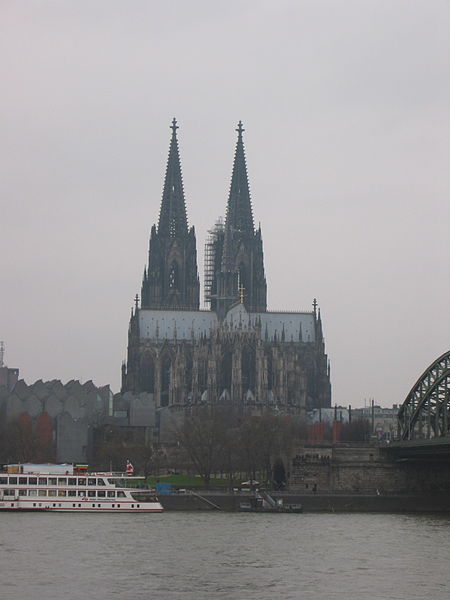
204, 437
215, 439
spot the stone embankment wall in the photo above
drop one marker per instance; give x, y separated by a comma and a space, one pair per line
363, 468
314, 502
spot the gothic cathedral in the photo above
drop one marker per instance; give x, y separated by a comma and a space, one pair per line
235, 352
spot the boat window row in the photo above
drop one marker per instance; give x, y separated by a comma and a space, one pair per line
64, 493
97, 481
39, 505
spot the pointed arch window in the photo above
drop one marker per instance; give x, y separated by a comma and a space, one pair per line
226, 370
166, 367
188, 372
173, 227
174, 276
270, 373
202, 375
147, 374
248, 364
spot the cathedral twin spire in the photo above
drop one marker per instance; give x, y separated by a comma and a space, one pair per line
239, 209
172, 216
241, 276
171, 280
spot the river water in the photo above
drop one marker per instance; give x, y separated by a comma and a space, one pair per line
209, 556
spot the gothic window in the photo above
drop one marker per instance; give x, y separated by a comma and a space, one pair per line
165, 380
291, 384
248, 365
147, 374
188, 372
172, 227
202, 375
270, 377
173, 277
225, 371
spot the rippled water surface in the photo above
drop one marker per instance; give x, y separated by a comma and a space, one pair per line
199, 556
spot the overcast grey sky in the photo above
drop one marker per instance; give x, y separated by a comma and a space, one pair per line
345, 106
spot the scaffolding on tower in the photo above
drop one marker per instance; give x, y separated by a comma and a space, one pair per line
210, 258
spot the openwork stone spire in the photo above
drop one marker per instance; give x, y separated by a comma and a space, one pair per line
240, 274
172, 216
239, 209
171, 280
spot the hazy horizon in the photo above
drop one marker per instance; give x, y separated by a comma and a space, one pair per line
345, 110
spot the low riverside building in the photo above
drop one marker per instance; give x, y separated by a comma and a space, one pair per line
52, 421
383, 420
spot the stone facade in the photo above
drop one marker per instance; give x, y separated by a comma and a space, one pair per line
235, 365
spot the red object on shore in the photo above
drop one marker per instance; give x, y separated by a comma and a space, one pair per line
316, 433
337, 431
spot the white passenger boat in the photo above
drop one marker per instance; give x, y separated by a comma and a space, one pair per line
65, 488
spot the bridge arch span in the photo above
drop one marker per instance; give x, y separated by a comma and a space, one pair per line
425, 412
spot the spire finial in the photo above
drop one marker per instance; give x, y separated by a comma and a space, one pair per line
174, 126
136, 302
315, 306
240, 129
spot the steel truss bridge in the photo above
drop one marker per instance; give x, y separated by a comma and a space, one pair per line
425, 414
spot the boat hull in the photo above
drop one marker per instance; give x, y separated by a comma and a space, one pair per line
22, 507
